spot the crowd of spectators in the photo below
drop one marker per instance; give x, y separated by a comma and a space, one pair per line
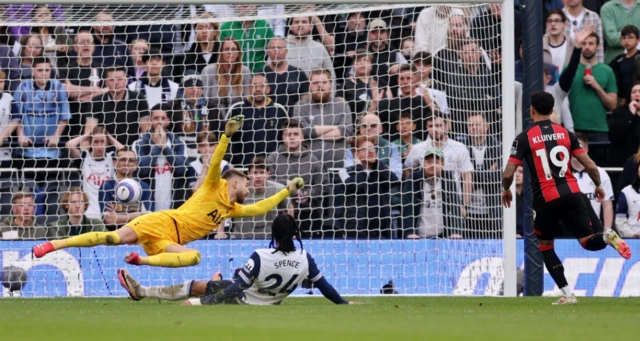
393, 118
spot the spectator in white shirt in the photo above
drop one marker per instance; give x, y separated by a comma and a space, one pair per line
431, 27
555, 44
7, 127
603, 211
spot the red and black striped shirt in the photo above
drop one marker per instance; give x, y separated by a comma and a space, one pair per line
548, 148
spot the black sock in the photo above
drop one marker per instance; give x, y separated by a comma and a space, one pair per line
554, 265
595, 243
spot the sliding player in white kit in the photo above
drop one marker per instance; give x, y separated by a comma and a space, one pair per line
267, 278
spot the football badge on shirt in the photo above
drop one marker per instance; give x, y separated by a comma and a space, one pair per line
514, 147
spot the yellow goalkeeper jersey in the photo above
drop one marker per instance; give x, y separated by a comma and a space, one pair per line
209, 206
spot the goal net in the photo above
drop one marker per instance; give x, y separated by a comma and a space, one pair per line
392, 115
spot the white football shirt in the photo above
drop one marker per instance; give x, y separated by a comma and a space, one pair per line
95, 172
274, 275
588, 187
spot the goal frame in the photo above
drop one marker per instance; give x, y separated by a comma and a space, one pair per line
508, 95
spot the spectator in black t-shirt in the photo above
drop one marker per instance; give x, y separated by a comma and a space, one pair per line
82, 79
624, 129
486, 29
385, 58
259, 135
109, 50
119, 110
624, 66
288, 83
353, 37
361, 90
204, 50
407, 100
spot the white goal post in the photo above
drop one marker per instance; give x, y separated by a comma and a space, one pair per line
436, 265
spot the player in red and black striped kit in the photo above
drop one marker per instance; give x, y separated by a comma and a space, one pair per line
548, 149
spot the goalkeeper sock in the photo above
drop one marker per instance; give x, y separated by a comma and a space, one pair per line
595, 243
88, 240
554, 265
171, 293
172, 260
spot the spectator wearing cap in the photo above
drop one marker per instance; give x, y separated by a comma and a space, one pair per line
624, 65
192, 115
120, 110
154, 85
593, 92
367, 184
430, 202
457, 156
288, 83
263, 118
616, 14
579, 17
555, 44
253, 36
260, 188
304, 52
21, 224
74, 222
431, 27
109, 50
386, 59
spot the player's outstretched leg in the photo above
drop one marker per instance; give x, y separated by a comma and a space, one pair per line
173, 256
125, 235
170, 293
599, 241
556, 270
617, 243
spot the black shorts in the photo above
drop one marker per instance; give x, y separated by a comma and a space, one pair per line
573, 210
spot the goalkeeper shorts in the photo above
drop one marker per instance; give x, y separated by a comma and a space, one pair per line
155, 232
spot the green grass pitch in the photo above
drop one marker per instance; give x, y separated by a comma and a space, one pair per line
302, 319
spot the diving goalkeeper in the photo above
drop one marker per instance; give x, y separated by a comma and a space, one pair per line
163, 234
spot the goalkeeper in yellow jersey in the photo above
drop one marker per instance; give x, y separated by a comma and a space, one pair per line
163, 234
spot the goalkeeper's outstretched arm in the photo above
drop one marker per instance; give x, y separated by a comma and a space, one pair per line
266, 205
214, 174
